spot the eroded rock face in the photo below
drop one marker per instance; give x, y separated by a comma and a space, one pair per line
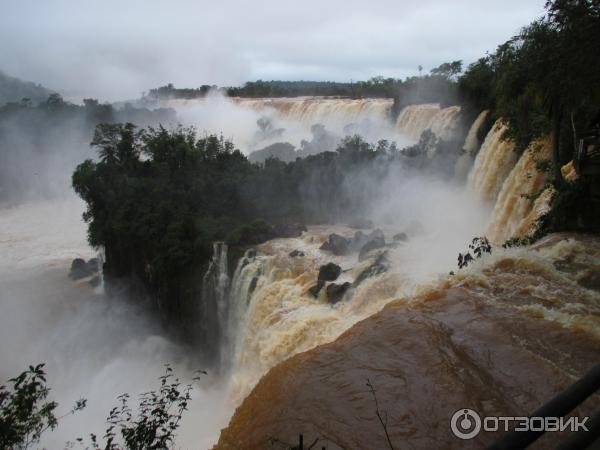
425, 363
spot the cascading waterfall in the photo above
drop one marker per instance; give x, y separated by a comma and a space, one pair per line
493, 163
533, 313
472, 143
215, 300
273, 315
415, 119
519, 202
309, 111
243, 283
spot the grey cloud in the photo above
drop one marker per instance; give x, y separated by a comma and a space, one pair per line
114, 50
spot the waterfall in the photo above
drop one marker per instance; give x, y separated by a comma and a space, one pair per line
243, 283
309, 111
493, 163
101, 258
415, 119
215, 296
472, 142
470, 147
516, 209
275, 315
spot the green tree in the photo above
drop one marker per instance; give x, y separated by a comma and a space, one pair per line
448, 70
25, 411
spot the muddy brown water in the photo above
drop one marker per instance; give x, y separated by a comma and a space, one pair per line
496, 342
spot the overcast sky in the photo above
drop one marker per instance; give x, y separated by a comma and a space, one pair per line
115, 49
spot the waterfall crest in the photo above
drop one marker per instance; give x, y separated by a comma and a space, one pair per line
415, 119
311, 110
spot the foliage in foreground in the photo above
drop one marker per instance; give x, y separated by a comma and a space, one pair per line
479, 246
26, 414
25, 411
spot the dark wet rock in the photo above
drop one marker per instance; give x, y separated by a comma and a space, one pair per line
296, 254
375, 240
400, 237
252, 286
335, 292
358, 240
381, 265
95, 282
93, 265
314, 290
80, 269
329, 272
247, 258
78, 264
361, 223
336, 244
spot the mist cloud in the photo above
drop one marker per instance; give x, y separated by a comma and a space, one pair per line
116, 50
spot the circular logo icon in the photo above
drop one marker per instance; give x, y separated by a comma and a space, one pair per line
465, 424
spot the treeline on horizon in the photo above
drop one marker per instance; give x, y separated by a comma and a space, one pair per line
433, 87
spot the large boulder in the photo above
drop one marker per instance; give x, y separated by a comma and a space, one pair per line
374, 241
329, 272
336, 244
81, 269
335, 292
